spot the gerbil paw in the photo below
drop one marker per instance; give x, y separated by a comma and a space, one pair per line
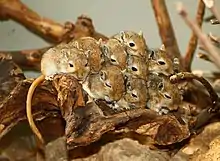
129, 107
107, 99
114, 106
49, 77
162, 111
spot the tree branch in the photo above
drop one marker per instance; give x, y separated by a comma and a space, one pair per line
202, 37
27, 59
165, 27
194, 40
47, 29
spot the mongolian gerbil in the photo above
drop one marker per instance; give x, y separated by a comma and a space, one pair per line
107, 85
115, 53
60, 59
164, 96
137, 67
136, 95
135, 43
96, 58
159, 62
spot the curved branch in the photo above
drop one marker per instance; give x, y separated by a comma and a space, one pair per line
189, 76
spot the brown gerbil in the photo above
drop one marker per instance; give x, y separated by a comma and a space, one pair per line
59, 59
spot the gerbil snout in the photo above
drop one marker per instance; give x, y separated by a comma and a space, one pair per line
135, 52
130, 51
82, 74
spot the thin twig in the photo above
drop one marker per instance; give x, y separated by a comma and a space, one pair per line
209, 18
210, 4
201, 47
214, 39
214, 22
207, 74
194, 39
204, 57
203, 37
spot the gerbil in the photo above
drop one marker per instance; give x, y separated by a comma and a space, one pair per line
107, 85
159, 62
59, 59
136, 95
164, 96
136, 67
135, 43
79, 59
96, 57
115, 53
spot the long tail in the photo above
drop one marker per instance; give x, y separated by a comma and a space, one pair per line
28, 107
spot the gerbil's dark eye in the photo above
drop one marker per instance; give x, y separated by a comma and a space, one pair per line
105, 49
160, 86
113, 60
134, 95
167, 96
161, 62
71, 65
131, 44
108, 85
134, 69
86, 64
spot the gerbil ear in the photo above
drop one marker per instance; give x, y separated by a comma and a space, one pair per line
160, 86
99, 42
87, 53
103, 75
125, 76
128, 85
176, 64
124, 73
162, 47
76, 44
176, 61
105, 49
129, 60
122, 35
141, 33
151, 53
